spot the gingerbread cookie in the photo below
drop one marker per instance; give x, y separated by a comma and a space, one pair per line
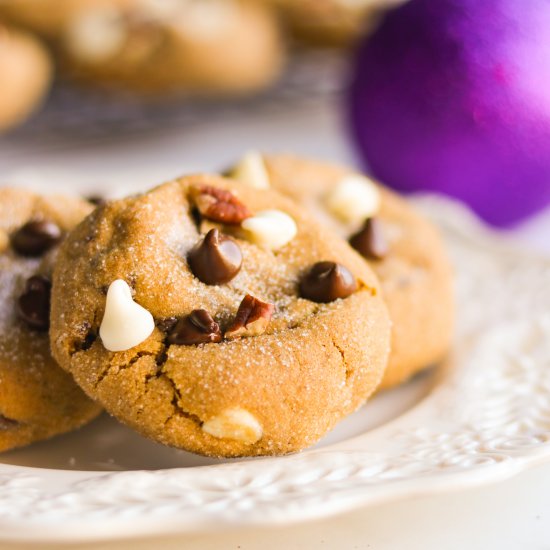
217, 318
47, 18
402, 247
37, 398
330, 22
25, 75
174, 46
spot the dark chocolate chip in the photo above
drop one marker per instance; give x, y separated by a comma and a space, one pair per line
97, 200
326, 282
7, 423
197, 328
216, 259
370, 241
166, 324
36, 237
33, 305
87, 343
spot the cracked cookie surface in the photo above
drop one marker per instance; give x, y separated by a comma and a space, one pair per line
406, 252
236, 368
38, 399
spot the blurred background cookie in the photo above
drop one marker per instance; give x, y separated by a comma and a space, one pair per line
160, 46
143, 49
331, 22
163, 46
25, 76
402, 247
45, 17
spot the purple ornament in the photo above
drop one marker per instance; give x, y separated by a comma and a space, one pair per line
453, 96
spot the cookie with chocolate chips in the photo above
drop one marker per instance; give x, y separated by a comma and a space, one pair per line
217, 318
401, 246
37, 398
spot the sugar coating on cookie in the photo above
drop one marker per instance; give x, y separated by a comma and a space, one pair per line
257, 350
37, 398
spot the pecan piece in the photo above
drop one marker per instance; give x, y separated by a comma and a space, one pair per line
252, 318
219, 205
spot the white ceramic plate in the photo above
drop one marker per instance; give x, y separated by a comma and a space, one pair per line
482, 417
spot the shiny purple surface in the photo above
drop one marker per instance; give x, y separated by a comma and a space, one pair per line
454, 96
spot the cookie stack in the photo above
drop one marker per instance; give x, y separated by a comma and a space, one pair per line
237, 316
162, 48
155, 47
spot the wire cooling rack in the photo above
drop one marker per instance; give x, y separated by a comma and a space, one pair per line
74, 114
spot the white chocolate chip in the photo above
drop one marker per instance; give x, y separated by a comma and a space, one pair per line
204, 21
354, 199
237, 424
251, 171
125, 324
270, 228
96, 35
